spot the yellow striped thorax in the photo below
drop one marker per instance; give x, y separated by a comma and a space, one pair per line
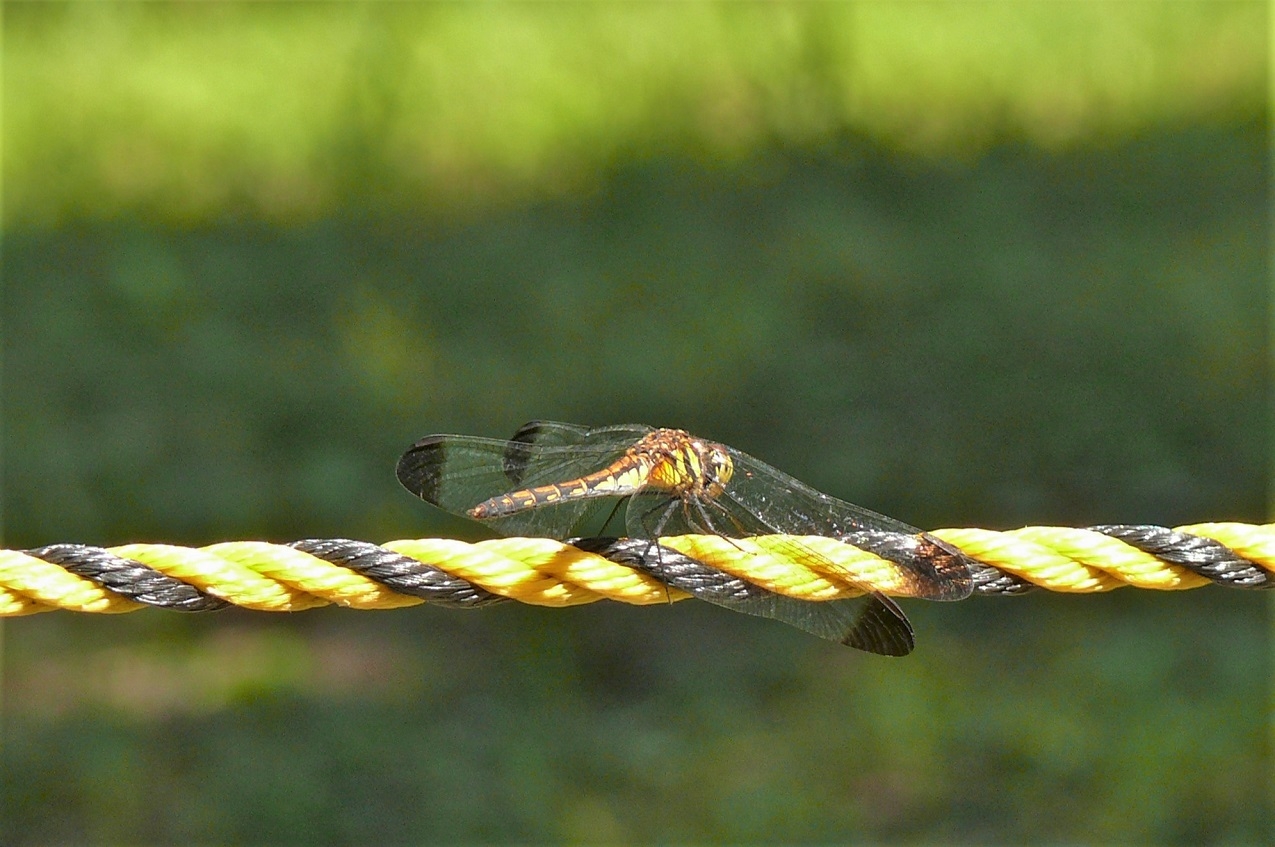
669, 460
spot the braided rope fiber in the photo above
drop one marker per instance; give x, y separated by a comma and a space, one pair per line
357, 574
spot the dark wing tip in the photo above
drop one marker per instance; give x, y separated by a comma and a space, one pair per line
528, 431
928, 567
950, 569
881, 628
420, 468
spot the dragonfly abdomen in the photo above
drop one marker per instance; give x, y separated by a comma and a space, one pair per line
621, 479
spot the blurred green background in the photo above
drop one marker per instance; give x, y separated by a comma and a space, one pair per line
970, 264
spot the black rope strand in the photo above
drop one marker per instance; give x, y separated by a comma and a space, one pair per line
902, 549
128, 578
910, 550
398, 572
674, 569
1211, 559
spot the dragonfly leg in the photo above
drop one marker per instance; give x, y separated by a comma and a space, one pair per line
614, 511
653, 530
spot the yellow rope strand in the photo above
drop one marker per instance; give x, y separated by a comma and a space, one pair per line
271, 577
537, 571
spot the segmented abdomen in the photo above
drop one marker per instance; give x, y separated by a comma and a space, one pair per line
624, 477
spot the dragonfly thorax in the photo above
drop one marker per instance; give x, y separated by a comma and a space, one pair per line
684, 465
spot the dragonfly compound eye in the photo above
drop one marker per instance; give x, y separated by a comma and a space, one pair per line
718, 468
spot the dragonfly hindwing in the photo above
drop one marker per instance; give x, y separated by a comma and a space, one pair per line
420, 469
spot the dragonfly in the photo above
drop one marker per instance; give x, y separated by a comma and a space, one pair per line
559, 480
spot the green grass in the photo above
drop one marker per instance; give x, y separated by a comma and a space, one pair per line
288, 112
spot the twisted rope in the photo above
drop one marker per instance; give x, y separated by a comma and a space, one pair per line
361, 575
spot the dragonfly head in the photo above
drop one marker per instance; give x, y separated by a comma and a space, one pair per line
718, 468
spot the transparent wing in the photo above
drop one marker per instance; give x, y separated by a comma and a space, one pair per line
457, 472
874, 622
537, 447
758, 494
789, 505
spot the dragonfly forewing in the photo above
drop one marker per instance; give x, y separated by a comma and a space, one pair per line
873, 622
925, 566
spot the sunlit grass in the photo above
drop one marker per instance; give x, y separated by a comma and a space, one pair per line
199, 111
